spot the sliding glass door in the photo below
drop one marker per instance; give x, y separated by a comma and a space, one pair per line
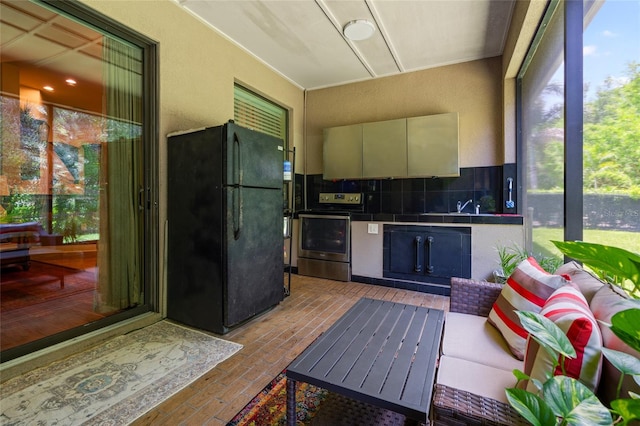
76, 177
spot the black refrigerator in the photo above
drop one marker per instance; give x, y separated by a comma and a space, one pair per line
224, 226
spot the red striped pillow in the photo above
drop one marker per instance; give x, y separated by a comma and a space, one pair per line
527, 289
568, 309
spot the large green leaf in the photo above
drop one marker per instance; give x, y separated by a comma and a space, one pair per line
549, 335
531, 407
612, 260
628, 409
625, 325
625, 363
574, 402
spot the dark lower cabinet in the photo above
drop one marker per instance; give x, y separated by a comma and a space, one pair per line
430, 254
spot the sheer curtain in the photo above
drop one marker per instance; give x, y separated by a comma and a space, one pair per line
119, 261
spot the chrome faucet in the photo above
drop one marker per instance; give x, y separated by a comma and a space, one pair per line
462, 206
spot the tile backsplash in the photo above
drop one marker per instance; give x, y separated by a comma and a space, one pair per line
486, 186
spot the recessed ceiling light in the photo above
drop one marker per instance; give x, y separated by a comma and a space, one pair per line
360, 29
48, 88
71, 82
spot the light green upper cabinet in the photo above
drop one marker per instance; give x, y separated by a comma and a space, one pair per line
342, 152
384, 149
432, 145
404, 148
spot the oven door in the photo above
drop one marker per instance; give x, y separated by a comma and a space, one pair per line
325, 237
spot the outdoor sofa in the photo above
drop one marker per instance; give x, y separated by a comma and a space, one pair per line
476, 363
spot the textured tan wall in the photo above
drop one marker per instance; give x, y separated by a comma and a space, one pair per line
197, 70
473, 89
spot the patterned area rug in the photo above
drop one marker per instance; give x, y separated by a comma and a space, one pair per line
269, 407
314, 406
116, 382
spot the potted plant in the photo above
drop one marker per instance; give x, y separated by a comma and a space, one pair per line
510, 258
564, 400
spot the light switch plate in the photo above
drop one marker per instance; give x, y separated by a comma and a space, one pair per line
372, 228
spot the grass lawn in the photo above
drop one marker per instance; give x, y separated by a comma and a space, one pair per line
623, 239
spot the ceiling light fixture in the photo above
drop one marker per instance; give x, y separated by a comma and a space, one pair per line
48, 88
71, 82
357, 30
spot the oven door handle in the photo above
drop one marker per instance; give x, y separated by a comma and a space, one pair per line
417, 264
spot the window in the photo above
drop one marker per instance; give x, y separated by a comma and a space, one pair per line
542, 91
588, 107
611, 171
75, 173
257, 113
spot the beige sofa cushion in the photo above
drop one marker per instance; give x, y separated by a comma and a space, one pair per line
478, 379
588, 283
472, 338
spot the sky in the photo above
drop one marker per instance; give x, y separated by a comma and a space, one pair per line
610, 42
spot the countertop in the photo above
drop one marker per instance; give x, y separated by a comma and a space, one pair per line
458, 218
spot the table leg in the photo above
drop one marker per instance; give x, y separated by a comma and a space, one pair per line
291, 402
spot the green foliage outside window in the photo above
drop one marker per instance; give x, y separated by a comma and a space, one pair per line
611, 139
612, 136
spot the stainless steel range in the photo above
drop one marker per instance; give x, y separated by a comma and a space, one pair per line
325, 237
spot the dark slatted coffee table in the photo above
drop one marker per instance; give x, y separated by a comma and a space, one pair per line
378, 352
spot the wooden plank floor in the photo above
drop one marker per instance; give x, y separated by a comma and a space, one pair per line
271, 341
33, 304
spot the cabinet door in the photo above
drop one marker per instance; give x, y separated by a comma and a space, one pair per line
429, 254
444, 253
433, 145
342, 152
426, 253
405, 254
384, 149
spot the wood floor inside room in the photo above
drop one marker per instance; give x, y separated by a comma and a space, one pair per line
55, 294
271, 341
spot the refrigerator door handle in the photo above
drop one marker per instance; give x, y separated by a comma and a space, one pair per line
237, 211
237, 199
237, 160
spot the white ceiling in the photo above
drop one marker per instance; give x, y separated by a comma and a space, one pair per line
303, 40
300, 39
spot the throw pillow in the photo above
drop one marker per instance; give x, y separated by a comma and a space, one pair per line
527, 289
569, 310
608, 301
588, 283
